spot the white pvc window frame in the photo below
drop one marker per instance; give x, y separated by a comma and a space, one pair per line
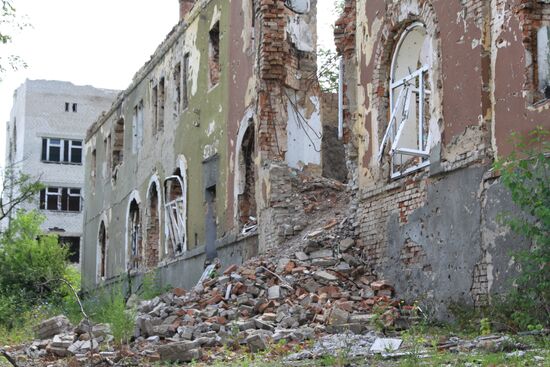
412, 88
60, 143
175, 212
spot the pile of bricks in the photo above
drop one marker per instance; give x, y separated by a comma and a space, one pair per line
314, 291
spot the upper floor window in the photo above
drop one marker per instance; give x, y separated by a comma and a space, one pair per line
137, 127
61, 150
407, 132
68, 107
60, 199
214, 55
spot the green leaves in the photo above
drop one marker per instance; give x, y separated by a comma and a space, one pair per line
526, 174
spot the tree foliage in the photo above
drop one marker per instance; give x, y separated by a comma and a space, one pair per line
17, 188
9, 23
32, 265
526, 174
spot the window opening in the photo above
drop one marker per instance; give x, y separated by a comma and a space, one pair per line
184, 91
407, 132
177, 83
73, 244
176, 213
67, 105
74, 107
153, 230
155, 108
214, 55
134, 235
118, 146
61, 151
108, 157
60, 199
543, 61
161, 104
247, 198
102, 239
93, 170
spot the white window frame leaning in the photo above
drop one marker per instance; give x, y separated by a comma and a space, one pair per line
176, 216
412, 87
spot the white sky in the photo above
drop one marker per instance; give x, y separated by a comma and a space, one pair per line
100, 43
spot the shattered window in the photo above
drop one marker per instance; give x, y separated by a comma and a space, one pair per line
407, 133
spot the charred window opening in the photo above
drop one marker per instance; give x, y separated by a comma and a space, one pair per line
161, 104
134, 236
184, 88
247, 198
153, 228
407, 130
543, 61
60, 199
102, 255
214, 55
118, 146
175, 193
154, 103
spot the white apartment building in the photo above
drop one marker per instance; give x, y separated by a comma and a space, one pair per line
44, 138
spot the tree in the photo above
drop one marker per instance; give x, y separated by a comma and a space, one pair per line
9, 23
17, 188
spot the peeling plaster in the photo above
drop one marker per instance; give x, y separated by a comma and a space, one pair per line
190, 46
300, 33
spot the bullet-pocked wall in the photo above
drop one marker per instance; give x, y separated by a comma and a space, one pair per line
178, 167
433, 91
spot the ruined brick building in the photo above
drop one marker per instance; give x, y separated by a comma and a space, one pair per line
433, 90
192, 161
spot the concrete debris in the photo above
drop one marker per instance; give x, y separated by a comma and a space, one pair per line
51, 327
385, 345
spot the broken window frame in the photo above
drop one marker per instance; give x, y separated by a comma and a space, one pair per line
175, 212
543, 57
412, 89
61, 198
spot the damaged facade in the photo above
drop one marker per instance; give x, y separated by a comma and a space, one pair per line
193, 160
433, 90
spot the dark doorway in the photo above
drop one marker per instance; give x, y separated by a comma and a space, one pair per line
73, 244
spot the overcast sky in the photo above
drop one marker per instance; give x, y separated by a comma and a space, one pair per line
100, 43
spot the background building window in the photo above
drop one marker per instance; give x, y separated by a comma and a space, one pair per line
61, 151
60, 199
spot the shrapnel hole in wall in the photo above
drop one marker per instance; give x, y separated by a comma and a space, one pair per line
214, 55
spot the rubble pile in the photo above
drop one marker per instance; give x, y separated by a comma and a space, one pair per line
314, 291
56, 336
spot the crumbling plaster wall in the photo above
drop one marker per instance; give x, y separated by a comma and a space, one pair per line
434, 233
196, 133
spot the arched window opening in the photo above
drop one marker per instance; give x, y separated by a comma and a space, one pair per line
247, 197
118, 145
102, 244
134, 236
407, 132
175, 193
153, 228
